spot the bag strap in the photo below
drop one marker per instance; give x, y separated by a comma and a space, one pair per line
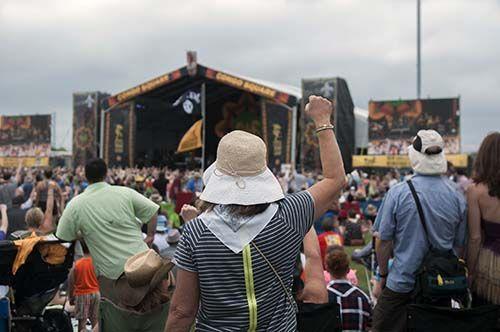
287, 292
419, 209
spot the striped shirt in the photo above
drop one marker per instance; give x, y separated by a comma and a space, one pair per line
227, 301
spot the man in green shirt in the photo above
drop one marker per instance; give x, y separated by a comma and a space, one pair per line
109, 219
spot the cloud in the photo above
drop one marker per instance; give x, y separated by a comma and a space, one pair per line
50, 49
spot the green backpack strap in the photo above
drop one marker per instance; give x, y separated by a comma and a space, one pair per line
250, 290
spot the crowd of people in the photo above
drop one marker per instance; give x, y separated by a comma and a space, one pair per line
25, 150
399, 146
235, 247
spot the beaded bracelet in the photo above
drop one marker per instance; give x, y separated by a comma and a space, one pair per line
324, 127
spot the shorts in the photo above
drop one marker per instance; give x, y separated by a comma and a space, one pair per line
87, 306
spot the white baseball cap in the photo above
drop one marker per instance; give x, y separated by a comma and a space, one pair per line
427, 153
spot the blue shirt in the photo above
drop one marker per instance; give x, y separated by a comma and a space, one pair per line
195, 185
398, 221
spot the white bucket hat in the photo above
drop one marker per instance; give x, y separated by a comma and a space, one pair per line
240, 174
426, 153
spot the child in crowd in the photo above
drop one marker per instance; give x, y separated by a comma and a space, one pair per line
355, 307
84, 291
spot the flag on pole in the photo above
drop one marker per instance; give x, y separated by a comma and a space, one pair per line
190, 102
192, 138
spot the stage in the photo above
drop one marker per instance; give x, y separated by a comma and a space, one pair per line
143, 125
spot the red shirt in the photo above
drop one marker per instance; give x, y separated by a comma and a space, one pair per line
327, 239
85, 279
354, 205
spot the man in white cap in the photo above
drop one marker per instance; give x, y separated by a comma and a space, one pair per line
401, 232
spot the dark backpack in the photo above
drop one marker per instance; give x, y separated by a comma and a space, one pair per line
442, 275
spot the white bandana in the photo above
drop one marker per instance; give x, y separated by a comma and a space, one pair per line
236, 232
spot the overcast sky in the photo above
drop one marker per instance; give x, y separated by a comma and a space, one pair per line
52, 48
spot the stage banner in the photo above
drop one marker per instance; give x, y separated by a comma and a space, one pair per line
245, 114
277, 133
25, 138
120, 136
336, 90
401, 161
86, 124
324, 87
393, 124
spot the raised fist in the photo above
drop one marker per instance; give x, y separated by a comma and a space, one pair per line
319, 109
189, 212
3, 207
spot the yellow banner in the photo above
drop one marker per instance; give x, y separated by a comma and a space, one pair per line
27, 161
401, 161
458, 160
148, 86
245, 85
191, 139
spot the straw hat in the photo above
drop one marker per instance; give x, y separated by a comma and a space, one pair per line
240, 174
426, 153
142, 273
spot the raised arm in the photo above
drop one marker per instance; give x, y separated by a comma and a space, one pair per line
62, 202
18, 172
38, 188
314, 285
5, 220
47, 225
325, 191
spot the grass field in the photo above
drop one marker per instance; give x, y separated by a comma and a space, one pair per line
360, 269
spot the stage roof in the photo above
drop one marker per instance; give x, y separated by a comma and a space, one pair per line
178, 81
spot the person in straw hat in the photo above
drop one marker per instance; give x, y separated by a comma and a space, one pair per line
401, 232
235, 260
142, 290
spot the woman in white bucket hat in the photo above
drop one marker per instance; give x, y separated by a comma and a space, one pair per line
236, 259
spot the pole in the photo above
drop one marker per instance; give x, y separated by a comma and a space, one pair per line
203, 125
419, 69
53, 129
293, 155
101, 139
